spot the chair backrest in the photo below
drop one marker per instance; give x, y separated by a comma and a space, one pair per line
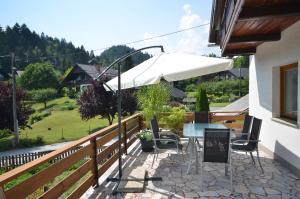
216, 145
201, 117
246, 126
255, 131
155, 128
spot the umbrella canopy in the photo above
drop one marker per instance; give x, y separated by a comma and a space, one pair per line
170, 67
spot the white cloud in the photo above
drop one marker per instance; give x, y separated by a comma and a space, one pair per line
195, 40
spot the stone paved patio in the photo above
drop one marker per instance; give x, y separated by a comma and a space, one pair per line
248, 181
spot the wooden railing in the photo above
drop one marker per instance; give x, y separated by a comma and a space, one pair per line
231, 119
96, 153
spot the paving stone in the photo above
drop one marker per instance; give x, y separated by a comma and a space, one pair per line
257, 190
272, 191
224, 192
241, 189
209, 193
248, 181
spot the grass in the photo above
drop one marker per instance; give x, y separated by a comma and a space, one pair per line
61, 125
221, 104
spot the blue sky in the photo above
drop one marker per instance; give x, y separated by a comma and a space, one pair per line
97, 24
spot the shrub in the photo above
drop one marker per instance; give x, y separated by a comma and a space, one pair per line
176, 118
39, 116
43, 95
202, 99
152, 99
72, 93
5, 133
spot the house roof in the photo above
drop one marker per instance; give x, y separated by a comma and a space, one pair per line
177, 93
93, 71
236, 72
239, 26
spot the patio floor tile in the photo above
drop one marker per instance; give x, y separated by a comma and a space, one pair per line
248, 181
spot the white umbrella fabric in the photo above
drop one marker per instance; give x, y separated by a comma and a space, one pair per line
170, 67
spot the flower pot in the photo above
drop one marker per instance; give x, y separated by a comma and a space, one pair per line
147, 146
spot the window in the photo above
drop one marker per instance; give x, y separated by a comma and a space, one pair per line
289, 91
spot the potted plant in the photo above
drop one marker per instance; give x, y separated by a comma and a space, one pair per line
145, 137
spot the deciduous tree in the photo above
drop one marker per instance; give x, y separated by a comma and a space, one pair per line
96, 101
39, 75
6, 113
43, 95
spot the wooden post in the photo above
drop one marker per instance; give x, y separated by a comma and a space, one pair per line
140, 122
125, 137
2, 194
94, 159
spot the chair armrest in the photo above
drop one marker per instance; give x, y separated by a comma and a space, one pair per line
169, 133
239, 141
241, 133
169, 140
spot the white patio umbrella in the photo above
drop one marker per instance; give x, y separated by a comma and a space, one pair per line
170, 67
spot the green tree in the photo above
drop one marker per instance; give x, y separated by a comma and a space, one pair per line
38, 76
241, 62
152, 99
202, 99
127, 64
43, 95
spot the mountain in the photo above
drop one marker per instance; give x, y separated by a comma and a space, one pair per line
115, 52
29, 47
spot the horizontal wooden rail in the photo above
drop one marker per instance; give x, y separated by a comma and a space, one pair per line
95, 153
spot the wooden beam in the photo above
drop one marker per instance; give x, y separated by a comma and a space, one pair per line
256, 38
265, 12
247, 51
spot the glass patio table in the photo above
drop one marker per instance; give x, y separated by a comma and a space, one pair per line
195, 131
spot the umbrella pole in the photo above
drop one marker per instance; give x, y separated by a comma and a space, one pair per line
119, 120
119, 179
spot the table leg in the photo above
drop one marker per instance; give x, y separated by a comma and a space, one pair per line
196, 156
192, 148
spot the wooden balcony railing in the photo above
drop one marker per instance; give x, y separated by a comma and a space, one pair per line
92, 160
231, 119
93, 156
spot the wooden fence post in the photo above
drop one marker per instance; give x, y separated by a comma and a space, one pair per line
125, 137
94, 161
141, 125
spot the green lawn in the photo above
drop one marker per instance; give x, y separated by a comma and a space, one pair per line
221, 104
62, 125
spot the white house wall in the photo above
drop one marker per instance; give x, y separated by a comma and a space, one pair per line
264, 87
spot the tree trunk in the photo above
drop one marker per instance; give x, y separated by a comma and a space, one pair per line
45, 105
110, 120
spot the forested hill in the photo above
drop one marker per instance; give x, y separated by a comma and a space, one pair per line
30, 46
114, 52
